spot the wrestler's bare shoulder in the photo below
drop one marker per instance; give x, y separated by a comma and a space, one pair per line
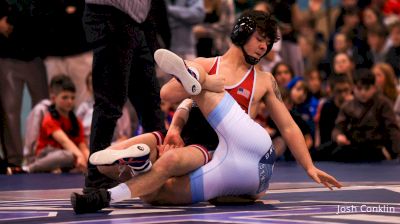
265, 79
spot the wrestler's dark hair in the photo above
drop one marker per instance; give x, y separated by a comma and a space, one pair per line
251, 21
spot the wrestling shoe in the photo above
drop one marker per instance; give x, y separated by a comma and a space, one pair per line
92, 202
137, 157
171, 63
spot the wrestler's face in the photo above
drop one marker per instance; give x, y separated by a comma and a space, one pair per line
257, 45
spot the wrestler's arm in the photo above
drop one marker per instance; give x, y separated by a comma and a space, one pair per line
292, 134
179, 120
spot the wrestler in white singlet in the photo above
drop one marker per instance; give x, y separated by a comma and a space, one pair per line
243, 161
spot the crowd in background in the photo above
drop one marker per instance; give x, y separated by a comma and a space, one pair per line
337, 66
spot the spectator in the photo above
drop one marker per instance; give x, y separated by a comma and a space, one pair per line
341, 91
283, 73
303, 102
393, 55
322, 22
313, 79
61, 143
63, 41
343, 64
183, 15
385, 80
378, 43
20, 64
366, 126
32, 129
371, 17
213, 34
312, 50
345, 6
287, 14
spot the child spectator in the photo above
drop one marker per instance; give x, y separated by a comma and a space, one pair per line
385, 80
341, 91
366, 125
303, 102
313, 79
61, 143
283, 73
343, 64
378, 43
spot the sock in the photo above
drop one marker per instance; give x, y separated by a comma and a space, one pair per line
120, 192
138, 170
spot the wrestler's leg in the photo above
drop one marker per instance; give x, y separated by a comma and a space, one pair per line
122, 173
176, 191
176, 162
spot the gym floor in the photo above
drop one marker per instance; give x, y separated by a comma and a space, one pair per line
371, 195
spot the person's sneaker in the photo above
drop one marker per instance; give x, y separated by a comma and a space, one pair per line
137, 157
172, 64
92, 202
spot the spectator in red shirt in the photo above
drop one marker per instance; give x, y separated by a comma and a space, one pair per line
61, 142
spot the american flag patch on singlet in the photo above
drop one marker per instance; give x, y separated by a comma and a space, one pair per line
244, 92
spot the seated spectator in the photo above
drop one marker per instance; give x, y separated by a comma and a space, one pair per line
282, 73
366, 127
214, 32
393, 55
32, 129
385, 80
378, 43
312, 50
61, 143
341, 91
313, 80
343, 64
303, 102
371, 16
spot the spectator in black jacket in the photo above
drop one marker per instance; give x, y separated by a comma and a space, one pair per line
20, 64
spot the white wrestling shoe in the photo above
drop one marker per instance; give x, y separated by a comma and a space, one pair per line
137, 157
171, 63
